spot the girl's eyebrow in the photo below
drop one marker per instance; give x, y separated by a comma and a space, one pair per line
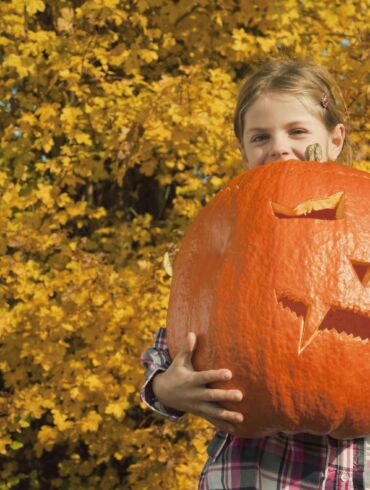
256, 129
293, 123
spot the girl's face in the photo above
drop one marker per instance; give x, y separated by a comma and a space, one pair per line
279, 127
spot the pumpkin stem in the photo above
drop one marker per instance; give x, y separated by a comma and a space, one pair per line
313, 153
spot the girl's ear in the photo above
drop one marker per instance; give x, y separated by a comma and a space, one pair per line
336, 141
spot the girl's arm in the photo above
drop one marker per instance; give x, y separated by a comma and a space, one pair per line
156, 360
178, 388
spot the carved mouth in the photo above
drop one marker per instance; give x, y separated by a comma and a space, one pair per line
346, 323
354, 324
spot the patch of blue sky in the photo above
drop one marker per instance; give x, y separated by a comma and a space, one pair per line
6, 105
345, 43
202, 177
17, 133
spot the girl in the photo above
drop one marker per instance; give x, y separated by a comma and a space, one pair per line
282, 109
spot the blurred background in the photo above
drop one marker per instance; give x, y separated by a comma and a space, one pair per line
116, 128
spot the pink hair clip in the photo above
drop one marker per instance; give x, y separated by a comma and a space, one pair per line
324, 101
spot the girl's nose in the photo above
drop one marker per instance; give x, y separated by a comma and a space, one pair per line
279, 149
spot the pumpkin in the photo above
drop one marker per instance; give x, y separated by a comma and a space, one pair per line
274, 278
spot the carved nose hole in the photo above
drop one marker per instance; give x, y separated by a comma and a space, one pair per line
362, 270
354, 324
327, 208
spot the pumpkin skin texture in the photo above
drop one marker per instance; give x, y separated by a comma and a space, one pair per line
273, 277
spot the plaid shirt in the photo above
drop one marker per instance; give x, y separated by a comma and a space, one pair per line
289, 462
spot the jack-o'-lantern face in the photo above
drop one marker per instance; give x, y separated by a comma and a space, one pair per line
343, 319
274, 278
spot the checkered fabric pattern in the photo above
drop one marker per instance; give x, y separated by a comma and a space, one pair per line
279, 462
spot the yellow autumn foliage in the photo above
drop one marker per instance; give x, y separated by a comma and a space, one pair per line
116, 127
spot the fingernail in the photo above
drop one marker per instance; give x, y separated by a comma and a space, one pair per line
227, 374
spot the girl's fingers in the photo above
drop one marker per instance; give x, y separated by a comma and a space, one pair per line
207, 410
216, 395
205, 377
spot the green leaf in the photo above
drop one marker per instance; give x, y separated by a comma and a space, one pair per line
15, 445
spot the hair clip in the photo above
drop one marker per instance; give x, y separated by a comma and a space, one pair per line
324, 101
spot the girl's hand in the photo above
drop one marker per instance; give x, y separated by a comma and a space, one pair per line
182, 388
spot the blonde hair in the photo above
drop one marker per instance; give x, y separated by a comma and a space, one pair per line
305, 80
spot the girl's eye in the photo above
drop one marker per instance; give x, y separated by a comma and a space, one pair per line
298, 131
259, 137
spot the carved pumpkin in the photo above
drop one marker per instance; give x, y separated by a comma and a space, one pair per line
274, 278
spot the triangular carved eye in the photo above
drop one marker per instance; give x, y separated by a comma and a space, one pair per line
326, 208
362, 270
300, 309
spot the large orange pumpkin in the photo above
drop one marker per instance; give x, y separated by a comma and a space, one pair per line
274, 278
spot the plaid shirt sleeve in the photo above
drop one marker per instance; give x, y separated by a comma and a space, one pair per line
156, 359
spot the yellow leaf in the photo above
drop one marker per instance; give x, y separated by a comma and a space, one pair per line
266, 43
44, 194
15, 61
167, 264
33, 6
47, 143
70, 115
65, 22
16, 445
77, 209
148, 55
347, 10
216, 181
331, 19
67, 327
47, 436
68, 75
4, 41
110, 3
61, 421
94, 383
83, 138
91, 422
117, 409
98, 213
47, 112
4, 441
